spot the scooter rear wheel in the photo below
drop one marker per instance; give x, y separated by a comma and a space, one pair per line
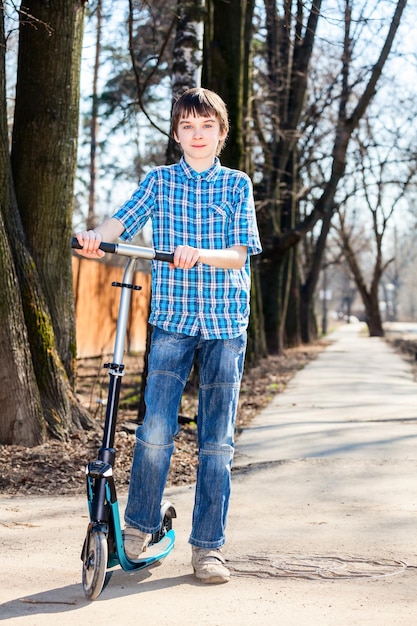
94, 564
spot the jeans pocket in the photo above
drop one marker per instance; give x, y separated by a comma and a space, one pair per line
237, 344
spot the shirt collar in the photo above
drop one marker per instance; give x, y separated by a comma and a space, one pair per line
209, 175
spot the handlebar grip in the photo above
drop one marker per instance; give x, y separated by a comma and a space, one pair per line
106, 247
75, 244
164, 256
130, 251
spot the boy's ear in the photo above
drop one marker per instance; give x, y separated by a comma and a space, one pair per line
176, 136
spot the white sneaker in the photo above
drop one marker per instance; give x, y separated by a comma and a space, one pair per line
135, 542
209, 565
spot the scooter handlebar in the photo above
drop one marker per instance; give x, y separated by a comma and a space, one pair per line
130, 251
164, 256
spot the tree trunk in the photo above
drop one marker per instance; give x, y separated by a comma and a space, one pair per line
44, 151
373, 316
224, 69
308, 324
61, 411
273, 280
370, 296
94, 126
290, 334
21, 417
256, 348
21, 420
308, 289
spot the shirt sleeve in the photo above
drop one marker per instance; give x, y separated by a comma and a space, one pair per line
244, 228
134, 213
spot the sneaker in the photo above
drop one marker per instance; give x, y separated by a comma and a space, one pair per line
135, 542
209, 565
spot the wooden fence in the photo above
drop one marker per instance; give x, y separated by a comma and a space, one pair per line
97, 303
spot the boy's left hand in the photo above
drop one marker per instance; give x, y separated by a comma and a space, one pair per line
185, 257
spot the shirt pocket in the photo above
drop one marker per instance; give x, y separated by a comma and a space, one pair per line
217, 226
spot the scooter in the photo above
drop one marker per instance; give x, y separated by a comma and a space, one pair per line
103, 546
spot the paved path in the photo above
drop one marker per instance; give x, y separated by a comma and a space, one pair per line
322, 527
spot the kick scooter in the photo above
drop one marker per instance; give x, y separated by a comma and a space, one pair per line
103, 545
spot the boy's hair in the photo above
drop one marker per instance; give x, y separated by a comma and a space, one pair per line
201, 102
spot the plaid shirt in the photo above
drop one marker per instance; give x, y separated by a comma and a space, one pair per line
213, 210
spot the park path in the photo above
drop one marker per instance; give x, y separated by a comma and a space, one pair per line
322, 524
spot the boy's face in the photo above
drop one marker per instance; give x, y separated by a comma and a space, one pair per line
199, 138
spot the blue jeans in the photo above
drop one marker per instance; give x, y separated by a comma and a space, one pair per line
170, 361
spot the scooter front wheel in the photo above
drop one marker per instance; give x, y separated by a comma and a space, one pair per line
94, 564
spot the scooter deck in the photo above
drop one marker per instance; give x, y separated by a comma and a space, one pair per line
154, 552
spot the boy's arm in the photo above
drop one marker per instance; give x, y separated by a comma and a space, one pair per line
108, 231
232, 258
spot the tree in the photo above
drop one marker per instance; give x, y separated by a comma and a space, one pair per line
94, 122
286, 56
382, 173
348, 120
283, 185
21, 406
36, 211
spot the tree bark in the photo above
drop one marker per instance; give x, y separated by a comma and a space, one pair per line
21, 418
44, 151
36, 212
94, 125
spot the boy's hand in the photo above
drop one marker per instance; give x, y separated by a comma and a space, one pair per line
185, 257
90, 241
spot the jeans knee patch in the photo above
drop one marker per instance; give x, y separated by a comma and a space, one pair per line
154, 445
220, 449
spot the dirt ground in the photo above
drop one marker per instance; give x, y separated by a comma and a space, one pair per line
57, 468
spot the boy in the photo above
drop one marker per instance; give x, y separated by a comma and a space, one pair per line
200, 306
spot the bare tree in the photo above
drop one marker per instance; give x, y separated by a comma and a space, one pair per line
384, 173
278, 109
281, 190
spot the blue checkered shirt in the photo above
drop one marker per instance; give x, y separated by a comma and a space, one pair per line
213, 210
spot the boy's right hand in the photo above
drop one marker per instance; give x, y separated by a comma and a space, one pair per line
90, 241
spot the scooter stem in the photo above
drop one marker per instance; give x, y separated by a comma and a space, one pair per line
125, 297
